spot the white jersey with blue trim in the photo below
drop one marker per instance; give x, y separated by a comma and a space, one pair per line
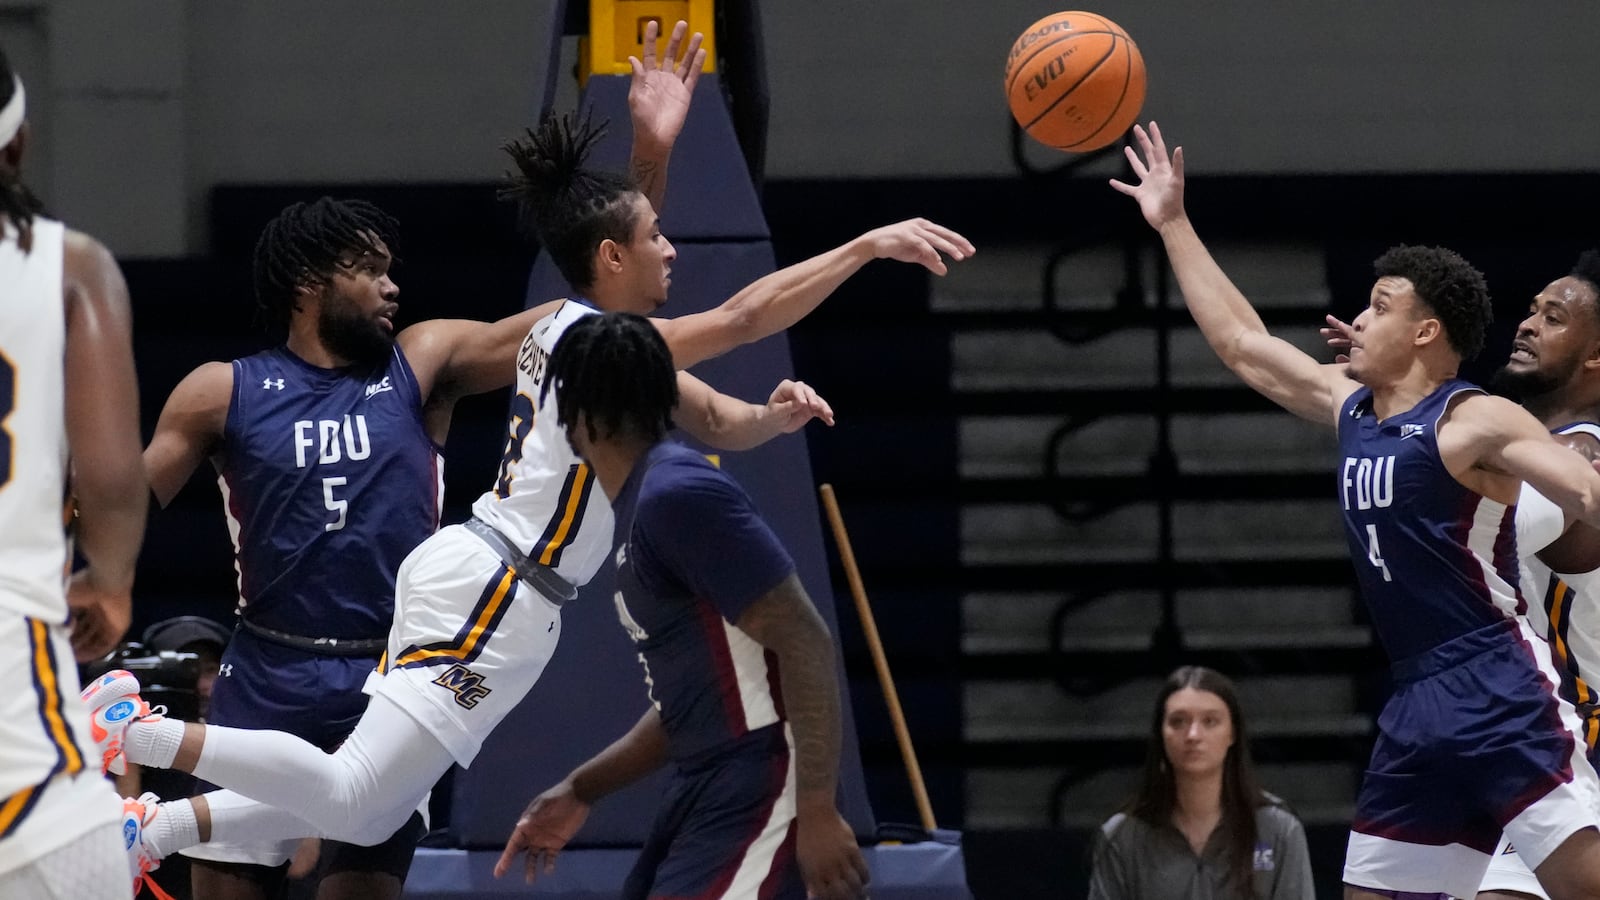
33, 436
545, 499
1563, 607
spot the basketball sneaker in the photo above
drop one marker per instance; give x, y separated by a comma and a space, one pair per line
114, 704
137, 814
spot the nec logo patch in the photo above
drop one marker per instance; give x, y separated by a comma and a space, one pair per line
466, 684
380, 387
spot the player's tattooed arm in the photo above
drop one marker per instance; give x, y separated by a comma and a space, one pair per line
659, 97
785, 622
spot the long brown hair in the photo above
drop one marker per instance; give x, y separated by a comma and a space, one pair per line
1241, 792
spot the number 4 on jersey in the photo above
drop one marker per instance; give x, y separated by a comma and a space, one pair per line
1374, 555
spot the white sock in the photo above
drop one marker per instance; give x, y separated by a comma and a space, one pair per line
153, 743
173, 828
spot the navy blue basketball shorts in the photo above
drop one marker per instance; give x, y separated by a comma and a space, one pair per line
1475, 741
726, 828
315, 697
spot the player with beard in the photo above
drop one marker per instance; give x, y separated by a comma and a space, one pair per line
327, 452
1554, 372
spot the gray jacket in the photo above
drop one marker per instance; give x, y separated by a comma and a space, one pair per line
1135, 860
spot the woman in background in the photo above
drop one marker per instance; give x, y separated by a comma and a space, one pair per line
1200, 826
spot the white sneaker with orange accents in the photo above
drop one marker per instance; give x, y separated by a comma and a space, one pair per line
114, 704
137, 816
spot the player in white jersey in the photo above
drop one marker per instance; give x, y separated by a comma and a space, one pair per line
1554, 372
477, 607
62, 298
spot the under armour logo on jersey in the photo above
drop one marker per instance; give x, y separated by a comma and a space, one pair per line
380, 387
225, 670
268, 384
1410, 430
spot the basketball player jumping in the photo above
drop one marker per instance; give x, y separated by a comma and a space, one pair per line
1554, 372
477, 609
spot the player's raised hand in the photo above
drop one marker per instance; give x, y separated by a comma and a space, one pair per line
1160, 187
545, 827
1339, 336
795, 403
659, 95
830, 861
100, 617
919, 241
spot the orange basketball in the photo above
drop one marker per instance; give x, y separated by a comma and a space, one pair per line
1075, 81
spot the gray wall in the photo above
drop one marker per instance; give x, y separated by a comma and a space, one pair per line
143, 106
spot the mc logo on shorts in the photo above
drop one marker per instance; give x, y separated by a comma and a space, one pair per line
466, 684
119, 710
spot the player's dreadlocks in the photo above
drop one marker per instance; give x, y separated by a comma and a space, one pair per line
17, 203
615, 370
304, 243
1449, 286
569, 209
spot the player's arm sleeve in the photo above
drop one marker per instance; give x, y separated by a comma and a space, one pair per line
706, 534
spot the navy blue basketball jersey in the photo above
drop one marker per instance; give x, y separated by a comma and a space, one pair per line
692, 554
328, 479
1435, 560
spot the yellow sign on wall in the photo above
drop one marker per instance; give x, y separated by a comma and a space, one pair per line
616, 31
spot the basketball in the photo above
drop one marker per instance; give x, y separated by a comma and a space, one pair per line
1075, 81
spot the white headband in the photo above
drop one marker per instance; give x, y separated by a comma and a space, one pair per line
12, 113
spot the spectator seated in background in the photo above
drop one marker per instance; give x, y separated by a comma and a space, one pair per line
1200, 826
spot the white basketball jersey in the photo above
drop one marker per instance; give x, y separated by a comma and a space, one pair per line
33, 437
545, 499
1563, 608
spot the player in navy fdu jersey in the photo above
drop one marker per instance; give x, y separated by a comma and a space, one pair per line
1475, 739
477, 605
739, 668
1554, 372
69, 422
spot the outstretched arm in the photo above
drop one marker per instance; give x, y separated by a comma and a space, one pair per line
1272, 366
728, 423
783, 298
658, 103
555, 816
102, 424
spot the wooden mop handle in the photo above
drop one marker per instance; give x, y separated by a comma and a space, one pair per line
869, 627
